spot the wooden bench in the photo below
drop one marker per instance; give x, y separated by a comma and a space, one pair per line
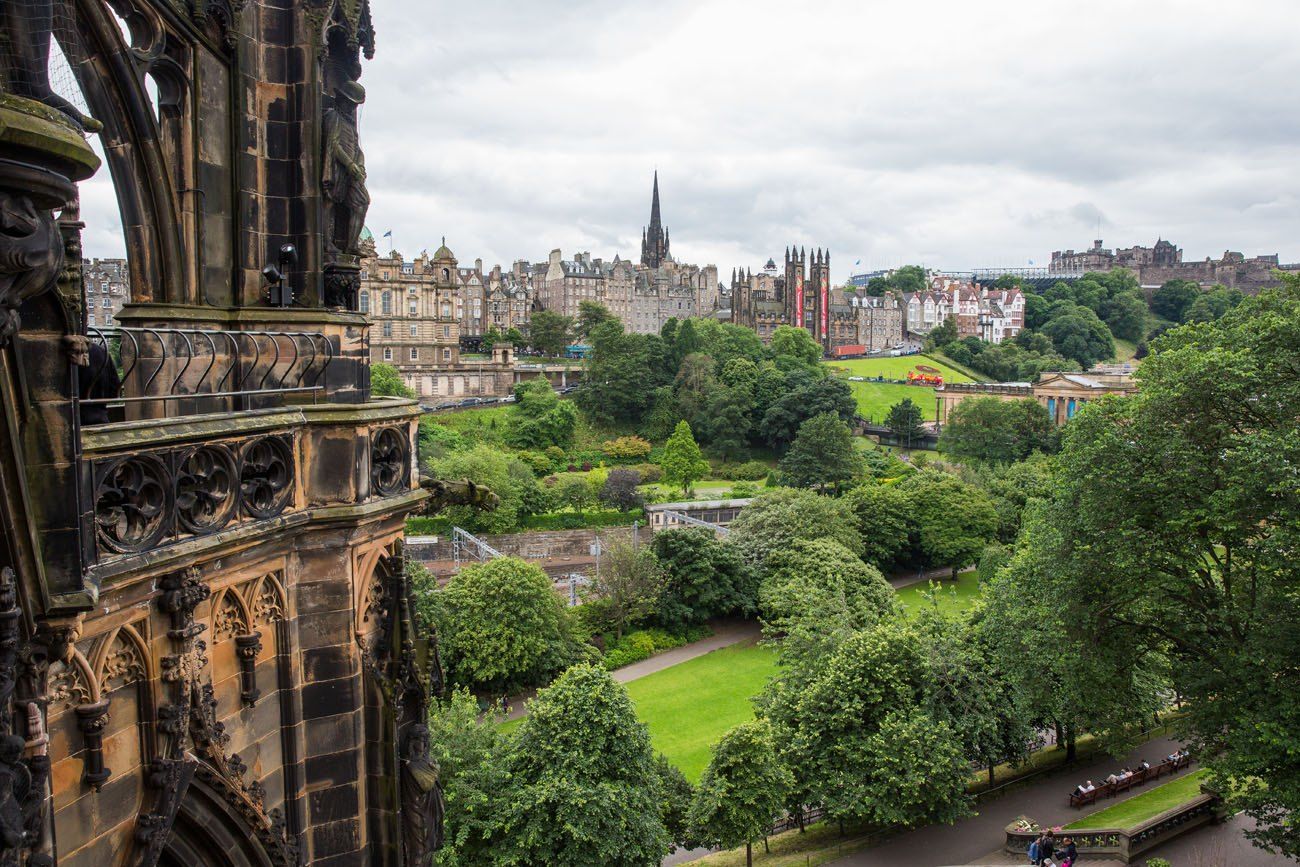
1137, 778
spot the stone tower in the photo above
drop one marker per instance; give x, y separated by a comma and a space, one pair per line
654, 239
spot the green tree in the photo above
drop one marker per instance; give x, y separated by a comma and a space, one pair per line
704, 578
776, 519
822, 455
514, 337
385, 381
1171, 528
795, 345
904, 421
1077, 333
501, 627
549, 332
805, 399
590, 315
1173, 298
584, 786
997, 431
539, 418
858, 734
676, 797
728, 421
817, 593
741, 791
627, 587
467, 747
694, 385
685, 342
882, 515
576, 493
1213, 304
682, 463
622, 375
953, 520
942, 334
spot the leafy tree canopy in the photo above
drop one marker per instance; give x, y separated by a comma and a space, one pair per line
775, 520
682, 463
385, 381
741, 791
704, 578
822, 455
549, 332
997, 431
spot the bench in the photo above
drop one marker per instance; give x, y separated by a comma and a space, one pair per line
1137, 778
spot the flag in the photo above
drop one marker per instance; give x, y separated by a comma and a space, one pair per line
1031, 261
857, 263
388, 234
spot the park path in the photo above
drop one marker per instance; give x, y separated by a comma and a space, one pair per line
978, 839
725, 634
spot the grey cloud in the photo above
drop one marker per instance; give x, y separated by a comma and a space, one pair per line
949, 133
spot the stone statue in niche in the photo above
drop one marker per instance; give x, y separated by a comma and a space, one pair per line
421, 804
344, 181
26, 29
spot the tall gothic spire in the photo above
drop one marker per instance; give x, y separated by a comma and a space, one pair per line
654, 251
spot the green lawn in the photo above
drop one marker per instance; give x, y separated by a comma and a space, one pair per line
690, 706
948, 595
1147, 805
897, 368
875, 398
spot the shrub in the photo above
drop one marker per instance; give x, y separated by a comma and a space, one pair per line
750, 471
555, 454
626, 448
741, 490
645, 643
539, 463
620, 490
650, 473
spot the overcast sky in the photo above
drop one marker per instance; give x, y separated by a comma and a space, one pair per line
943, 132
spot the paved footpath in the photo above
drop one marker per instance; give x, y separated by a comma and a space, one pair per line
972, 840
725, 634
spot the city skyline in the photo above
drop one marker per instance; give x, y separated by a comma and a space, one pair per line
881, 133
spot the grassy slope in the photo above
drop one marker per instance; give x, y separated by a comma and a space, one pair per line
875, 398
689, 706
897, 368
1145, 806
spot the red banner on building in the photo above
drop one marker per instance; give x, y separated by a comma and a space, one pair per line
824, 293
798, 301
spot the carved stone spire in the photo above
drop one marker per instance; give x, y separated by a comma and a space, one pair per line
654, 246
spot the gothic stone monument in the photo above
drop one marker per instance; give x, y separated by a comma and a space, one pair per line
207, 651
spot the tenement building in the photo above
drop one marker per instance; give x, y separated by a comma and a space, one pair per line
206, 627
1155, 266
993, 315
643, 295
418, 312
108, 286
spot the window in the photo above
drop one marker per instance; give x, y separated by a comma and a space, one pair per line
365, 301
386, 305
415, 354
388, 329
388, 353
446, 331
446, 311
408, 268
446, 355
413, 308
383, 275
90, 303
415, 330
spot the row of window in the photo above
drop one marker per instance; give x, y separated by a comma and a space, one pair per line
386, 305
414, 354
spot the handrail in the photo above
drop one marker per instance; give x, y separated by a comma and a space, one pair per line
297, 368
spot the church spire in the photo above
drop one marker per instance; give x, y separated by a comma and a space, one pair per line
655, 249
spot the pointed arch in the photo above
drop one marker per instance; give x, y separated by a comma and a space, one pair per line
122, 658
230, 615
72, 682
266, 600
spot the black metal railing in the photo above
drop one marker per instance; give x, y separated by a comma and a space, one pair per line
184, 364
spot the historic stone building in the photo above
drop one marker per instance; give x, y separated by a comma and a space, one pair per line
1062, 394
108, 287
642, 296
1155, 266
418, 312
205, 621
